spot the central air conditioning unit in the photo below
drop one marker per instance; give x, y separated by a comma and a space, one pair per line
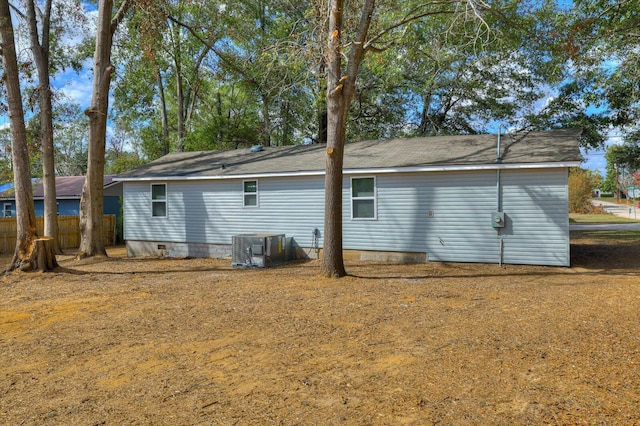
259, 250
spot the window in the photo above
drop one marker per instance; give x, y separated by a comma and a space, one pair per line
159, 200
363, 198
7, 210
250, 192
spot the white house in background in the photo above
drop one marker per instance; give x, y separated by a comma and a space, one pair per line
478, 198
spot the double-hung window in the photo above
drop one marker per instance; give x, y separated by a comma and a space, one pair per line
159, 200
7, 210
250, 193
363, 198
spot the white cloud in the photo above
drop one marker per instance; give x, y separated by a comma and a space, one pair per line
76, 86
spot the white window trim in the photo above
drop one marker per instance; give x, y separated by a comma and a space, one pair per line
374, 198
165, 201
5, 209
244, 194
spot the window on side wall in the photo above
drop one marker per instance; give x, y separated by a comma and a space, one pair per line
159, 200
250, 193
7, 210
363, 198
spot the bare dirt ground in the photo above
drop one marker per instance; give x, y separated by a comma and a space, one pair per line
116, 341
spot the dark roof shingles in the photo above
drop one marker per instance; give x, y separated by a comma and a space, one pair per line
535, 147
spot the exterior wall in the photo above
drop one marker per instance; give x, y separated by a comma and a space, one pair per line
111, 205
163, 248
69, 207
8, 208
537, 206
212, 211
446, 216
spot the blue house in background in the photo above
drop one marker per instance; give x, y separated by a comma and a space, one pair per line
68, 193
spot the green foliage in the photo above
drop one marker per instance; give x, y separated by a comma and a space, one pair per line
6, 169
252, 72
625, 156
121, 162
71, 139
603, 44
623, 160
582, 183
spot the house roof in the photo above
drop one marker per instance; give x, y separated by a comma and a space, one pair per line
66, 187
556, 148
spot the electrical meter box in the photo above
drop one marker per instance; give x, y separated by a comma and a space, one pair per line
497, 219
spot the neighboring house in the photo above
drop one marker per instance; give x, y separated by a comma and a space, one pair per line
68, 193
449, 198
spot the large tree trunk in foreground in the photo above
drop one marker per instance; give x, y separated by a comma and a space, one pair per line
92, 201
25, 256
340, 90
41, 56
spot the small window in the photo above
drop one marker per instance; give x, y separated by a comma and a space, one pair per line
7, 210
363, 198
250, 192
159, 200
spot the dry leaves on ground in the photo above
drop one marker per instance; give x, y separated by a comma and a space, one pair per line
195, 341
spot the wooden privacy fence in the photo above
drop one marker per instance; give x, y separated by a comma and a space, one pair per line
68, 231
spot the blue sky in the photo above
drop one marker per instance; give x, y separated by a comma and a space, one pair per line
595, 160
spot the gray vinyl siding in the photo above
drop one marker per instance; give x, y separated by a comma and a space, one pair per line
212, 211
444, 214
536, 203
448, 216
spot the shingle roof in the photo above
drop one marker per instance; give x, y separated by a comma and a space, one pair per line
66, 187
557, 146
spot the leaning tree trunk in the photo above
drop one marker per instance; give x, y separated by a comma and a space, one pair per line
28, 254
92, 201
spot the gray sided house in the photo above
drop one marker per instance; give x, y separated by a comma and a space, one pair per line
450, 198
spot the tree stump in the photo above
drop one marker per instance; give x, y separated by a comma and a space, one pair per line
45, 254
42, 257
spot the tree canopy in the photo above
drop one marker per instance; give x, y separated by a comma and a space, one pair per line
218, 75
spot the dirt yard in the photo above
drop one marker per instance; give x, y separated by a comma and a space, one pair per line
117, 341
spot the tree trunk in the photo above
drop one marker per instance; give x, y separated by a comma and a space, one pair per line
332, 257
23, 257
266, 120
322, 103
181, 107
322, 124
340, 90
92, 200
41, 57
163, 110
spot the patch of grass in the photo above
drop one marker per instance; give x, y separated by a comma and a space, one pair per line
598, 218
618, 236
